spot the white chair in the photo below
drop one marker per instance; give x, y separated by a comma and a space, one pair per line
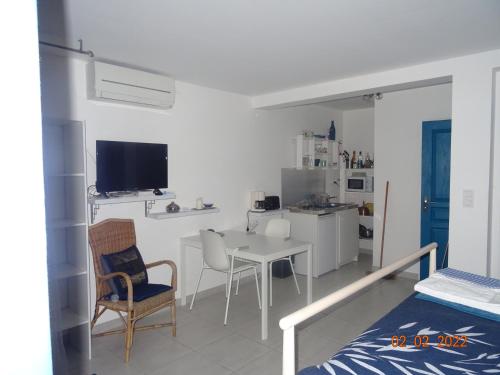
218, 257
279, 228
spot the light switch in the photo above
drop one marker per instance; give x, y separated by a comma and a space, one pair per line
468, 198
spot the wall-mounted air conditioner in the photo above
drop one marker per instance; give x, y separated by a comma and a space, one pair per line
115, 83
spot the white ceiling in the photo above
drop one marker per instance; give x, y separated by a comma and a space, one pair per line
260, 46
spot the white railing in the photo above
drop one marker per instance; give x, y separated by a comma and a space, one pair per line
289, 322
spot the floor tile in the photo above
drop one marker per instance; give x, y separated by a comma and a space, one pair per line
192, 363
234, 351
268, 364
320, 356
200, 333
335, 328
308, 343
156, 351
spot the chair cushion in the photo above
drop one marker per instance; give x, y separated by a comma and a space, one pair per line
128, 261
142, 307
144, 291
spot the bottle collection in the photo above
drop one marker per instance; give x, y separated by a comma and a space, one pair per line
358, 161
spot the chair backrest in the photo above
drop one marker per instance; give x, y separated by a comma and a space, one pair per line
278, 228
108, 237
214, 251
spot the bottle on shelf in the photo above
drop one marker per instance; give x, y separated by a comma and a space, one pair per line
360, 160
367, 161
354, 161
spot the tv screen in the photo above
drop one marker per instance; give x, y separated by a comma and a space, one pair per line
125, 166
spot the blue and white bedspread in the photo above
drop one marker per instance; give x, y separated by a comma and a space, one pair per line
437, 340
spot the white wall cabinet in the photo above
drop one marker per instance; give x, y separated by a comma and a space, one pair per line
309, 149
67, 252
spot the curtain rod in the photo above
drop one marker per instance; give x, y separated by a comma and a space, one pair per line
80, 50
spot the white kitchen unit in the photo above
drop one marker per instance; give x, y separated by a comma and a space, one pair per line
347, 235
308, 149
334, 238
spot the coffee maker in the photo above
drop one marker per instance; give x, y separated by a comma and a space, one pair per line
257, 201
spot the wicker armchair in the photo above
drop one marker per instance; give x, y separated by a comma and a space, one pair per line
111, 236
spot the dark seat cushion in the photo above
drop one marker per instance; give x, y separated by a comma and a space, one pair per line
128, 261
144, 291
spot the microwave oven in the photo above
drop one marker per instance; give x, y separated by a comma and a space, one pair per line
359, 184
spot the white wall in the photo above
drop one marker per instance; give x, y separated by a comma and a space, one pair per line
358, 130
398, 145
24, 275
219, 148
472, 77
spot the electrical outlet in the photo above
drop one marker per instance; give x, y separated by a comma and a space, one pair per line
468, 198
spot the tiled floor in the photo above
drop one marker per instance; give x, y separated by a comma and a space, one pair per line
204, 345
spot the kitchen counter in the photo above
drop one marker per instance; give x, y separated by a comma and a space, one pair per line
334, 207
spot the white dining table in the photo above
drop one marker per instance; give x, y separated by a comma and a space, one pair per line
257, 248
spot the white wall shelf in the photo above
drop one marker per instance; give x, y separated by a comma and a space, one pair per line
367, 221
65, 270
366, 243
308, 149
65, 223
64, 166
148, 198
140, 197
182, 212
67, 175
70, 319
360, 170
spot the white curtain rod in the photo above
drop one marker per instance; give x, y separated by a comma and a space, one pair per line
80, 50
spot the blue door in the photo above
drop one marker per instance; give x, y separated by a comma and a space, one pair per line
435, 200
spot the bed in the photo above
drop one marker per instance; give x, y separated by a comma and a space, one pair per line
422, 335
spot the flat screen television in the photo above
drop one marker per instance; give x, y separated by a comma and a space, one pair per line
129, 166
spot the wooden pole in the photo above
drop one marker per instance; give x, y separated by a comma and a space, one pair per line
383, 225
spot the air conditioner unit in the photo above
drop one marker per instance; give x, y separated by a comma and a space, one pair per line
115, 83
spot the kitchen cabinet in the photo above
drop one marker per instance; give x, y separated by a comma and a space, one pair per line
321, 231
327, 255
347, 235
334, 238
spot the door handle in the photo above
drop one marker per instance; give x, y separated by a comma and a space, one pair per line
426, 203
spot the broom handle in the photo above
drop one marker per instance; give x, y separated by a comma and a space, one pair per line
383, 225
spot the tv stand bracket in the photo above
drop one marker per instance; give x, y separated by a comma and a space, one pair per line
149, 200
93, 211
148, 205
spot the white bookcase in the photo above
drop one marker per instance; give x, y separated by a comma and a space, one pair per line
67, 252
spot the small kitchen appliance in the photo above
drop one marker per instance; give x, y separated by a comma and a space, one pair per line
359, 181
257, 201
272, 202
